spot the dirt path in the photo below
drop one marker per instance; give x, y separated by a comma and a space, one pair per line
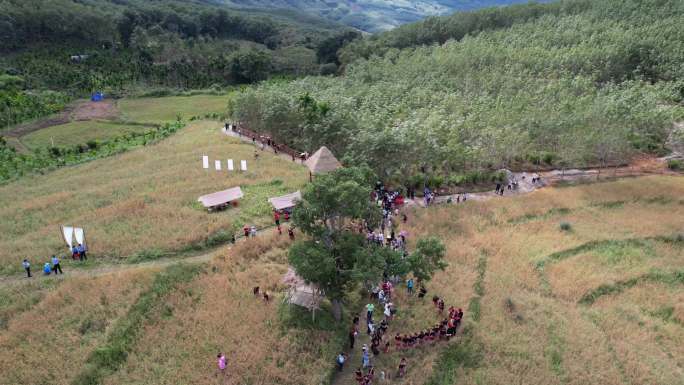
78, 110
105, 269
257, 145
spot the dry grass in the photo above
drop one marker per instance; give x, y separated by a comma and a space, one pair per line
142, 200
526, 333
219, 313
49, 343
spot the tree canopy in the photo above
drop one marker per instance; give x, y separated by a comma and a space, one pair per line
334, 256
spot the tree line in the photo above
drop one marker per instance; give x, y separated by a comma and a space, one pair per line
589, 83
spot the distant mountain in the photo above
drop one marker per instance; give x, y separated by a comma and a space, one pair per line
372, 15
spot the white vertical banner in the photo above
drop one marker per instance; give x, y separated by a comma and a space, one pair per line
68, 234
80, 235
243, 165
205, 161
217, 163
230, 165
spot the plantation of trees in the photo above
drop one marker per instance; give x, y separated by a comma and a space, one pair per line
564, 84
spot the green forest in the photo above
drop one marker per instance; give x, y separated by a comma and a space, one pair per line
565, 84
73, 48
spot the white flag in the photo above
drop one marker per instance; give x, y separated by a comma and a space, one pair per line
205, 161
230, 165
217, 163
68, 233
243, 165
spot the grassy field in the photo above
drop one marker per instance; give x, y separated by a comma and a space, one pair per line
154, 110
523, 323
521, 280
49, 342
79, 132
140, 202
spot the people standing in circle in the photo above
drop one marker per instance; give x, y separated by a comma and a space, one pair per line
27, 267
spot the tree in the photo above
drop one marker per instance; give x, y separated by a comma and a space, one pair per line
335, 257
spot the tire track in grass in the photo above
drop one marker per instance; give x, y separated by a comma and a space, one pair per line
109, 357
468, 352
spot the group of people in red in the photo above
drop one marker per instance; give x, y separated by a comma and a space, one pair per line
443, 330
286, 217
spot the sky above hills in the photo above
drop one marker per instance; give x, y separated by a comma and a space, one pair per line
373, 15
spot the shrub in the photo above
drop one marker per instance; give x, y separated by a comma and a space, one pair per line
565, 226
92, 144
675, 164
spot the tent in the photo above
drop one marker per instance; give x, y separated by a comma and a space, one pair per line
322, 161
221, 198
285, 201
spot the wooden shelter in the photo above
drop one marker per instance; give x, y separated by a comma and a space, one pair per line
285, 202
220, 199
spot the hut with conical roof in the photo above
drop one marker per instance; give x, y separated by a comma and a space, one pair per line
322, 161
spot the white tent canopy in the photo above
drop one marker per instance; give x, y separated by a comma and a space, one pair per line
73, 236
285, 201
221, 198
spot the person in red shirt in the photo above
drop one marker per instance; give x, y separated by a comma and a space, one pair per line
287, 216
246, 231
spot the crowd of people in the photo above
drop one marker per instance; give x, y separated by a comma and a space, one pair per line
441, 331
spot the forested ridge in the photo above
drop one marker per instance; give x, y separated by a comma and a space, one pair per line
566, 84
77, 47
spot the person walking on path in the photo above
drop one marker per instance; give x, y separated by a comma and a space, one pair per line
365, 359
56, 267
369, 311
409, 286
352, 336
27, 267
341, 358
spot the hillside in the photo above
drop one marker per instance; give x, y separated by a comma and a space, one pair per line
373, 15
567, 84
598, 303
53, 51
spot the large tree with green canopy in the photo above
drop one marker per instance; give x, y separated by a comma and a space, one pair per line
336, 257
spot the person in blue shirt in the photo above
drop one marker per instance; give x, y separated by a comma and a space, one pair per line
56, 267
46, 268
82, 252
74, 252
409, 286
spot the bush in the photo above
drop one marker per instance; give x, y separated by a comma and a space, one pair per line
675, 164
92, 144
565, 226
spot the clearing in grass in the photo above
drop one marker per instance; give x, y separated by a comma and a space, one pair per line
80, 132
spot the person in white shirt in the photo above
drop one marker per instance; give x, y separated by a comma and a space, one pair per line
27, 267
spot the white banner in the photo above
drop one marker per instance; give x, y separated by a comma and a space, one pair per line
230, 165
205, 161
68, 234
80, 235
217, 163
243, 165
